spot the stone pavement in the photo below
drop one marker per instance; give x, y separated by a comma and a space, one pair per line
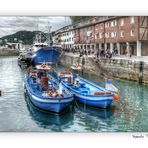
133, 58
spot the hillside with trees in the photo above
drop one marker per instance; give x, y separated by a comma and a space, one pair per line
25, 37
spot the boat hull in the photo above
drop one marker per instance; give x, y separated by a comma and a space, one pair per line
56, 105
101, 101
104, 103
47, 55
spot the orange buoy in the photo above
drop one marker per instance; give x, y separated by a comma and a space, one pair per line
116, 96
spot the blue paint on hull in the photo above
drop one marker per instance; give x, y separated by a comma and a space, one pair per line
52, 107
100, 103
47, 54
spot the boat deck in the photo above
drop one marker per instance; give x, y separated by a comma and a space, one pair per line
36, 88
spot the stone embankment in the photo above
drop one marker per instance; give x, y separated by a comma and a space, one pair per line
9, 52
130, 69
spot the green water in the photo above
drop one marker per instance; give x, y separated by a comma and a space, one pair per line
18, 114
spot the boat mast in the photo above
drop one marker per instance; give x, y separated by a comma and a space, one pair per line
38, 34
49, 34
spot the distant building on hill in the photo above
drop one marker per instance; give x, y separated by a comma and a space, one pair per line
17, 46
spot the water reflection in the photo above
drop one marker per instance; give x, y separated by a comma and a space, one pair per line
93, 119
96, 112
50, 120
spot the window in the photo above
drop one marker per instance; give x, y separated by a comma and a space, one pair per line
101, 35
101, 26
107, 25
122, 22
132, 32
97, 36
91, 37
113, 34
107, 35
97, 27
113, 23
122, 34
132, 20
89, 29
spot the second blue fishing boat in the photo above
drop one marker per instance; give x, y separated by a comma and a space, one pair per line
87, 92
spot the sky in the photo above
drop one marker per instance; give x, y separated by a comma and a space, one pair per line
12, 24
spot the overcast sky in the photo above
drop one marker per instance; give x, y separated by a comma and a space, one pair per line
10, 25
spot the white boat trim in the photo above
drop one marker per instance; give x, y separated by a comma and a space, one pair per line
51, 101
94, 98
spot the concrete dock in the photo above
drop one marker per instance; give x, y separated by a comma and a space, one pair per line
124, 67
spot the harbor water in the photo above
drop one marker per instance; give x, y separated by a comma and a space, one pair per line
17, 114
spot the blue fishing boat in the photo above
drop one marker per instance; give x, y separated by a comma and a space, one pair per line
87, 92
48, 55
46, 94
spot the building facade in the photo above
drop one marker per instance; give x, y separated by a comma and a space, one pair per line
65, 37
120, 33
127, 34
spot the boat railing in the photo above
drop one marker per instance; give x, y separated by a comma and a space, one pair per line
93, 84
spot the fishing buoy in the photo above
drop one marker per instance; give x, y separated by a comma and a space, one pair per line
116, 96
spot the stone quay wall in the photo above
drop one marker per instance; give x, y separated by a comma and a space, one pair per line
9, 52
118, 68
